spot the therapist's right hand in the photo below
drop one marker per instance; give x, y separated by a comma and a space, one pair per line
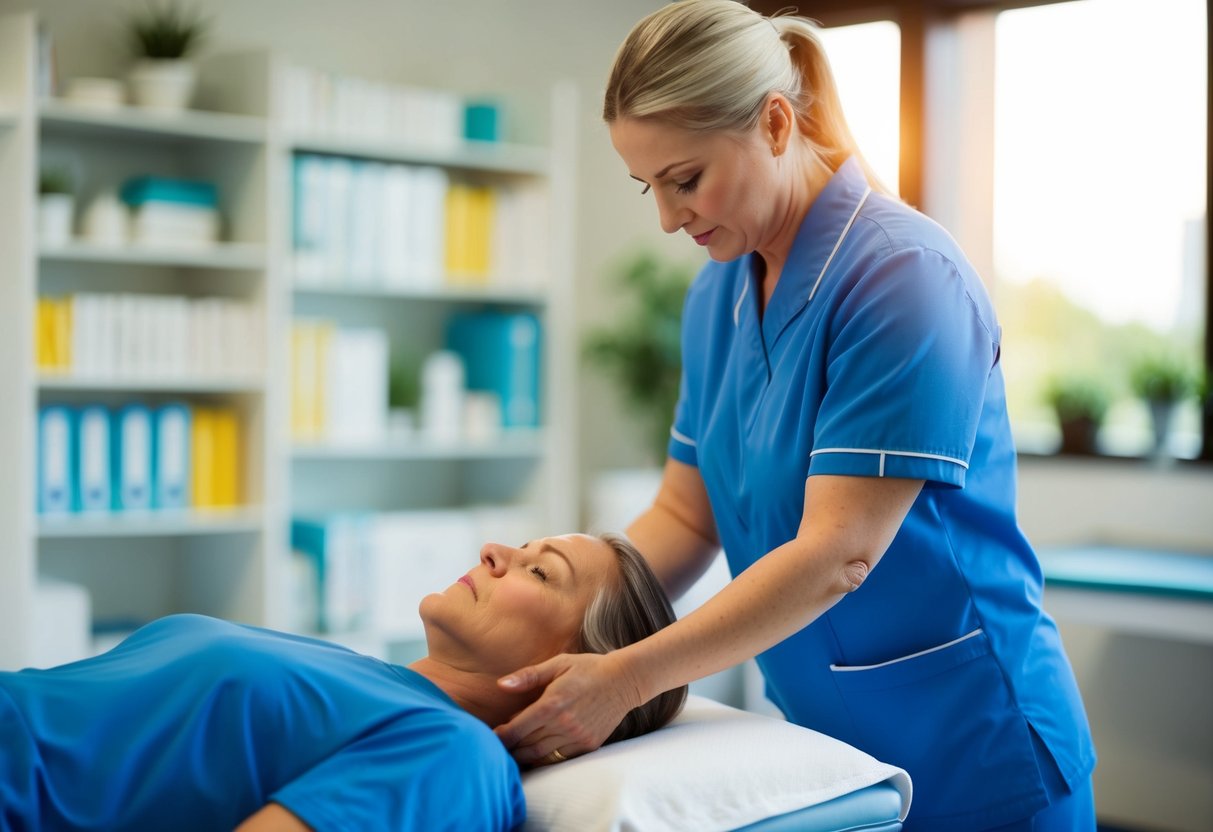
585, 697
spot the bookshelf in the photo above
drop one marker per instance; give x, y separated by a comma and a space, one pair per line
236, 562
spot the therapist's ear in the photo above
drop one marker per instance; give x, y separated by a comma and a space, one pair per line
778, 123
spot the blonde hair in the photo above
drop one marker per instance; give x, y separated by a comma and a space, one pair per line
710, 65
633, 608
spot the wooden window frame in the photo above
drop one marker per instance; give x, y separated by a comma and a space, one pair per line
915, 17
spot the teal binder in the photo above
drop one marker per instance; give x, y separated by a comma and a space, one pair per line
132, 450
501, 352
55, 459
94, 471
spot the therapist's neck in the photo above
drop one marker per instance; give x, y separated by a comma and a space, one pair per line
477, 693
802, 177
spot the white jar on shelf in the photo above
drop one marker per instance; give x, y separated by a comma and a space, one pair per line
442, 394
55, 218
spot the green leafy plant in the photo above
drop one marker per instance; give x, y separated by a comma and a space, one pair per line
54, 181
642, 351
166, 32
1163, 378
1081, 403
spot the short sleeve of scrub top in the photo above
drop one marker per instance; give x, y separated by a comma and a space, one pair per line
914, 411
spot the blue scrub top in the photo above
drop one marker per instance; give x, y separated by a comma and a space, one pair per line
878, 356
195, 723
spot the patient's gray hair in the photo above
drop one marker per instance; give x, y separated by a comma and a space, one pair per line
633, 609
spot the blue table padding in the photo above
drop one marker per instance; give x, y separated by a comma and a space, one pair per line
1130, 570
874, 809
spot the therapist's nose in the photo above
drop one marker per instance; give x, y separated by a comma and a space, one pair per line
496, 557
673, 213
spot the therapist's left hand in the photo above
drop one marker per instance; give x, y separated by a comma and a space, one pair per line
585, 697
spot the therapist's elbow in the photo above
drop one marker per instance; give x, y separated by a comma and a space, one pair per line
852, 575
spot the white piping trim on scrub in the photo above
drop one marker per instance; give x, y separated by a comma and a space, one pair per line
737, 306
846, 668
841, 237
883, 454
683, 438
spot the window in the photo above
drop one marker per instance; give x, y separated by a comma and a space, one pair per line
866, 61
1100, 131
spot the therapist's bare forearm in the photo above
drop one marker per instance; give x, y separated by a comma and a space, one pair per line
677, 552
779, 595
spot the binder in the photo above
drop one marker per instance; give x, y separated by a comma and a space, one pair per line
55, 460
226, 427
171, 458
202, 454
93, 469
337, 549
133, 458
501, 352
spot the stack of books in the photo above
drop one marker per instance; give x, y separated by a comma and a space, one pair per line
128, 336
172, 212
339, 383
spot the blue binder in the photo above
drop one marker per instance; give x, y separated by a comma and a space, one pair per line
501, 353
93, 468
133, 458
171, 456
55, 459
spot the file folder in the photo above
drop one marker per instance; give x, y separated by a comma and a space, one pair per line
55, 460
133, 458
93, 469
171, 458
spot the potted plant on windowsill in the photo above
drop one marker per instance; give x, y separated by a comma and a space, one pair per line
1162, 382
1081, 403
641, 353
163, 37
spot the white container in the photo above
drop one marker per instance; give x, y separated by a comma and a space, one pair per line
55, 219
96, 93
442, 393
164, 85
106, 221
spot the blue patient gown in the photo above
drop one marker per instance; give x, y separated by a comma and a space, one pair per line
196, 723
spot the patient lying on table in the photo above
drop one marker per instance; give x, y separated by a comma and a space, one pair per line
197, 723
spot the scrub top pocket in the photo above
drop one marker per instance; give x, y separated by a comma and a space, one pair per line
946, 715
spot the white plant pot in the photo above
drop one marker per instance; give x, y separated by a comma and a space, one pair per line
164, 85
55, 219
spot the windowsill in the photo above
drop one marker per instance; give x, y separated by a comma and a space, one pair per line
1035, 457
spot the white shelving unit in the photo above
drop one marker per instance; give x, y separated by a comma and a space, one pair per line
235, 563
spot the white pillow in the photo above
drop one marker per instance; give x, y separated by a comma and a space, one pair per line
713, 768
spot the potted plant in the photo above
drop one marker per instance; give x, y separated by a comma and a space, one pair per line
1081, 403
55, 206
640, 352
163, 37
1162, 381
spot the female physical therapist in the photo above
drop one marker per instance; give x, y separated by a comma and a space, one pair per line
842, 433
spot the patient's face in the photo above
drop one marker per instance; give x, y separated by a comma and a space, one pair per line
520, 604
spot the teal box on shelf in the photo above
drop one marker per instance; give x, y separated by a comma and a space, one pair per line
144, 189
501, 353
482, 121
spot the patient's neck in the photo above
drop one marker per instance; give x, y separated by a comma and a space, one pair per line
477, 693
